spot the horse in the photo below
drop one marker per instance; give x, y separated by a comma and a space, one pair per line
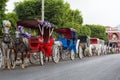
20, 47
86, 49
6, 46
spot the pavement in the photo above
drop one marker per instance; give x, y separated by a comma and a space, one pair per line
105, 67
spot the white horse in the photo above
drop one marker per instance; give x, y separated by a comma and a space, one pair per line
6, 45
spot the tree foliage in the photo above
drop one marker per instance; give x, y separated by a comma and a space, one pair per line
56, 11
84, 31
13, 18
98, 31
72, 25
2, 8
2, 12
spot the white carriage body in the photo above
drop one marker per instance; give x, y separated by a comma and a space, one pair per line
96, 45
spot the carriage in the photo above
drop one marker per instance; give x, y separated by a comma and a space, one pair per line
68, 43
41, 42
111, 47
85, 44
95, 46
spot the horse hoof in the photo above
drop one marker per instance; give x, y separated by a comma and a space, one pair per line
3, 68
9, 68
23, 66
14, 65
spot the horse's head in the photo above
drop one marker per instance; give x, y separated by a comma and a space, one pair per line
6, 38
18, 38
17, 34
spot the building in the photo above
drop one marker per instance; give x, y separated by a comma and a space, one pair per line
113, 36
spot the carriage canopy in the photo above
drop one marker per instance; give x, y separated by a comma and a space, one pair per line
83, 39
33, 23
94, 40
67, 32
44, 28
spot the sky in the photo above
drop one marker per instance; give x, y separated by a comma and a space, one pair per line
104, 12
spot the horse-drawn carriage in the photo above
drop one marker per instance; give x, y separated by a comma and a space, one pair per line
97, 45
85, 44
111, 47
41, 42
68, 42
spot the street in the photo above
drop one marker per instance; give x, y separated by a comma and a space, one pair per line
105, 67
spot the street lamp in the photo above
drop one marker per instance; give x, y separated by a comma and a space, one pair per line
42, 10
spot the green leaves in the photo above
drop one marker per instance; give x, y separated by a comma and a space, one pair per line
13, 19
2, 12
28, 9
56, 11
84, 31
60, 14
97, 31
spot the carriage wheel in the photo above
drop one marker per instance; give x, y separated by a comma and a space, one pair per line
80, 52
55, 53
34, 58
72, 55
41, 56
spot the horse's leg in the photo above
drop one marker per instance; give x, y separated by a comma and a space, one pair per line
90, 50
22, 58
4, 56
8, 58
15, 58
3, 61
11, 57
26, 58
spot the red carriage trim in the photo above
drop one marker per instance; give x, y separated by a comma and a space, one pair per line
94, 40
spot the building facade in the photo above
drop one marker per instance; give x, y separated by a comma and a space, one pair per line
113, 34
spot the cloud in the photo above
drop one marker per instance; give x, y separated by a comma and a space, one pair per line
10, 5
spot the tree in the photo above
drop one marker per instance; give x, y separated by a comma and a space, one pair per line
84, 31
98, 31
2, 8
13, 19
56, 11
2, 12
72, 25
28, 8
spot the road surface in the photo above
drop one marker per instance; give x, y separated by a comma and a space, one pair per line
93, 68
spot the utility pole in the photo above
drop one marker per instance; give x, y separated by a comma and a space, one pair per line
42, 10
